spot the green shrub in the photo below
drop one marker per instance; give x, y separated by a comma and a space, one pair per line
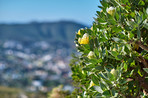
112, 58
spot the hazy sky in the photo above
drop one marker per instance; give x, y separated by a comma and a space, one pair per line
12, 11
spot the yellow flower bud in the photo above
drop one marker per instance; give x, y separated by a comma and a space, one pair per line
84, 39
101, 11
79, 40
114, 49
78, 96
111, 10
91, 28
113, 72
83, 72
91, 55
79, 33
91, 84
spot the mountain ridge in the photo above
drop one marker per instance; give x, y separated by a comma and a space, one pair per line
60, 31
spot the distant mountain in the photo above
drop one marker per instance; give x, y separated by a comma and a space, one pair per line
52, 32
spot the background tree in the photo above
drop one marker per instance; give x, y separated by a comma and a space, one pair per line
112, 59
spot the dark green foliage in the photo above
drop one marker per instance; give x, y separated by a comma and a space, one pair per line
119, 40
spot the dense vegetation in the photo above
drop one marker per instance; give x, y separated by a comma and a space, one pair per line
112, 58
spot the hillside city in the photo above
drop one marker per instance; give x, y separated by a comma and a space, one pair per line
35, 58
36, 67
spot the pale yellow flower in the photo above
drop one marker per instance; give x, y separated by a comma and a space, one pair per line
110, 10
91, 55
84, 39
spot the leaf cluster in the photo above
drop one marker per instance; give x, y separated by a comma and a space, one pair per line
118, 42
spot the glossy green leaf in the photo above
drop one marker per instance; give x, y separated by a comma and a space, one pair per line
103, 87
106, 93
114, 53
95, 79
138, 33
145, 69
125, 66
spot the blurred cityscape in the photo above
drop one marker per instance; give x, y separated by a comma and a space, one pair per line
35, 56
